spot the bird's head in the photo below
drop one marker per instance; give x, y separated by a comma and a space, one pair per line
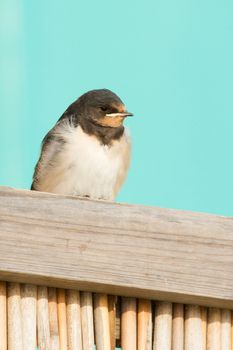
103, 107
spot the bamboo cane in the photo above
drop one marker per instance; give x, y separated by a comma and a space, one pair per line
118, 323
53, 319
62, 322
73, 320
15, 339
231, 330
43, 318
28, 309
128, 324
193, 328
178, 327
163, 326
112, 300
226, 329
204, 325
87, 321
144, 325
3, 317
214, 329
101, 320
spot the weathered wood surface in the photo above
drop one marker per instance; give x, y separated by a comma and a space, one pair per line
114, 248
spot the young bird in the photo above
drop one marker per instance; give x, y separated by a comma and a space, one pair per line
87, 152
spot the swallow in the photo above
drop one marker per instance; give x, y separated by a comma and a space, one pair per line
87, 153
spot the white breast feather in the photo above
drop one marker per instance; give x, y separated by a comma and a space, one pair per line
84, 167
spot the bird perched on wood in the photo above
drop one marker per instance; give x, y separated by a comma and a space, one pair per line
87, 152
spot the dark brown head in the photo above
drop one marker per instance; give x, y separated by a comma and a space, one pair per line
100, 113
102, 107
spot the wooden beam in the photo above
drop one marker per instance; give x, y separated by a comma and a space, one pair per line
113, 248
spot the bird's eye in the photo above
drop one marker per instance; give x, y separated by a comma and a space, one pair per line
103, 108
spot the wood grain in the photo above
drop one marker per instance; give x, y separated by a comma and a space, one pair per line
3, 316
115, 248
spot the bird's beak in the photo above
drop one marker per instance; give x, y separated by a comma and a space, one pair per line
118, 114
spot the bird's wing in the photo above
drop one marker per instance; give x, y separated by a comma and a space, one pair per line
49, 170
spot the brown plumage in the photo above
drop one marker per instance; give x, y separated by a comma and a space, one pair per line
87, 152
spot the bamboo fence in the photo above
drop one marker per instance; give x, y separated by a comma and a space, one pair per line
82, 320
83, 275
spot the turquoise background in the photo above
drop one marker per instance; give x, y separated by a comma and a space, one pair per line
170, 61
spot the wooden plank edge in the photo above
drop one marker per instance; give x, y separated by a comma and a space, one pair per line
162, 295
